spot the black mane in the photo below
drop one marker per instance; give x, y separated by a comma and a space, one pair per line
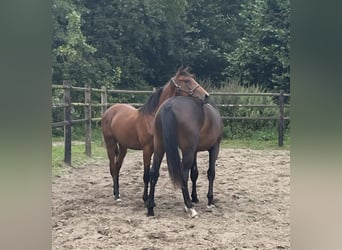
152, 103
203, 102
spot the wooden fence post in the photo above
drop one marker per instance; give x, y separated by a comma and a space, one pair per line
281, 120
87, 115
104, 104
67, 119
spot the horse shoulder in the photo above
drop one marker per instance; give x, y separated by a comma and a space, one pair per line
145, 127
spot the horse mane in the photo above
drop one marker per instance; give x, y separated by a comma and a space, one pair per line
202, 102
152, 103
212, 103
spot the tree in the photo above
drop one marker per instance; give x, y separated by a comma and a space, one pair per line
213, 30
140, 43
72, 54
262, 53
74, 58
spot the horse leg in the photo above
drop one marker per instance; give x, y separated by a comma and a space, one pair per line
187, 164
116, 171
112, 152
154, 174
213, 153
194, 176
147, 154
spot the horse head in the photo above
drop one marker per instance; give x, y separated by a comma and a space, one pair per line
186, 85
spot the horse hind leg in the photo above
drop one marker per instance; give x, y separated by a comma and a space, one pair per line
213, 153
194, 177
187, 163
113, 152
121, 153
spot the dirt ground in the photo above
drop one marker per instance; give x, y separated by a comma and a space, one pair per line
251, 192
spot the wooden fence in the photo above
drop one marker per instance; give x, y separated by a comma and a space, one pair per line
88, 104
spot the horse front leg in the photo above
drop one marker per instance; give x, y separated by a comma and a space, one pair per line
147, 154
154, 175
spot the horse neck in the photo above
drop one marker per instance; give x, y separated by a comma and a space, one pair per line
168, 92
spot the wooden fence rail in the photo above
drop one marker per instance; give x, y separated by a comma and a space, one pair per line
88, 104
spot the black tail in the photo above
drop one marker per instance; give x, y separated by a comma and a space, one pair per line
170, 139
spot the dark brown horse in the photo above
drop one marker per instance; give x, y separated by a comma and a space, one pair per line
125, 127
190, 125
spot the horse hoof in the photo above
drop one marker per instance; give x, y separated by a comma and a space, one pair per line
195, 200
150, 212
211, 206
117, 199
193, 213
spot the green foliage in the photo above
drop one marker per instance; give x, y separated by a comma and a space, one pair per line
261, 55
74, 58
213, 27
257, 129
72, 54
136, 44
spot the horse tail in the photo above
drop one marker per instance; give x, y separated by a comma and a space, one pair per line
170, 142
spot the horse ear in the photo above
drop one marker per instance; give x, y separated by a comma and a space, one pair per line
186, 69
180, 69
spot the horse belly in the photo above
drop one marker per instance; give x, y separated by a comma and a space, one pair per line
125, 131
206, 142
208, 137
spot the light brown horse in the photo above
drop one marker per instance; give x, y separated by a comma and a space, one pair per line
125, 127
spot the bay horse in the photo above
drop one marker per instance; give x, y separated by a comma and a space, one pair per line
191, 125
125, 127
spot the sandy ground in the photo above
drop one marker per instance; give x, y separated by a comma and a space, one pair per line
251, 192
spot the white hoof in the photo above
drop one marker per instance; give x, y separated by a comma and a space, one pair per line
193, 213
211, 206
118, 199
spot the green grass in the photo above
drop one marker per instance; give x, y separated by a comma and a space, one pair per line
78, 157
256, 144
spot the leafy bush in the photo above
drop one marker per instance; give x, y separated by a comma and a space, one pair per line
236, 129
